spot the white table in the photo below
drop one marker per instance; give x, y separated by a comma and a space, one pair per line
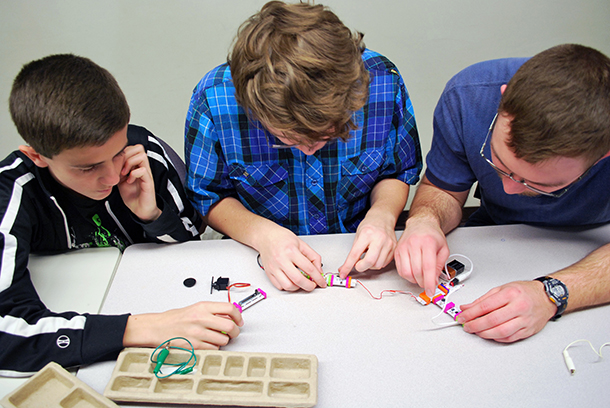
75, 281
388, 353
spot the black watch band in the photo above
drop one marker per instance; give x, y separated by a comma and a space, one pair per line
557, 292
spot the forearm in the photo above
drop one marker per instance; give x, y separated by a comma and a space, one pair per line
588, 280
230, 217
388, 199
28, 348
434, 205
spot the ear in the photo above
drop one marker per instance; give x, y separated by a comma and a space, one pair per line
502, 89
38, 159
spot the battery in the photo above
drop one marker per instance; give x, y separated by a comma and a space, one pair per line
254, 298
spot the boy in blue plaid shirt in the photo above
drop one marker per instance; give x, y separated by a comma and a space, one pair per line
304, 131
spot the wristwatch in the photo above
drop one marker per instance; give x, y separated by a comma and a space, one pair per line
557, 292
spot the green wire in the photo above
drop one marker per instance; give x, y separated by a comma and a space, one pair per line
162, 352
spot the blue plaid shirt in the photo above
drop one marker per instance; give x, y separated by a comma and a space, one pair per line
227, 155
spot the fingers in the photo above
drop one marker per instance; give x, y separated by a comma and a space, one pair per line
204, 324
508, 313
135, 174
136, 165
373, 248
430, 270
292, 277
134, 156
137, 186
354, 255
228, 311
312, 265
219, 323
420, 256
294, 266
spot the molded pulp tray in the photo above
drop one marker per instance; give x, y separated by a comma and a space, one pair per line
219, 378
54, 387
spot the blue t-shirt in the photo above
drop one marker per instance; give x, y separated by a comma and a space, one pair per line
228, 155
461, 121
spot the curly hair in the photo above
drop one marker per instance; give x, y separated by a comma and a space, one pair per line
298, 68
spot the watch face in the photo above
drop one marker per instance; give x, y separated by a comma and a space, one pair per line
558, 291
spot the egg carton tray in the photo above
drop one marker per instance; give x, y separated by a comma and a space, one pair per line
54, 387
219, 378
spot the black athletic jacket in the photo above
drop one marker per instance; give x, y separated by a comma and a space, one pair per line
38, 215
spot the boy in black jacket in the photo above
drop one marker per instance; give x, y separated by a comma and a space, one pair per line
87, 179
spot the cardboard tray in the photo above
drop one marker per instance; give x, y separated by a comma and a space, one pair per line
54, 387
219, 378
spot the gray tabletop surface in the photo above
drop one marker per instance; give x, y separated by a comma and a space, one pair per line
389, 352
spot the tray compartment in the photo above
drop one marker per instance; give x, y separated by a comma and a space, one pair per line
219, 378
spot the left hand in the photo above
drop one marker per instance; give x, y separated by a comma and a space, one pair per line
137, 186
508, 313
373, 240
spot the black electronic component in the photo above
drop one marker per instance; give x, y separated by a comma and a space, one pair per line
454, 268
189, 282
220, 284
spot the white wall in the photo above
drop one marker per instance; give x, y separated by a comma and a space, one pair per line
159, 49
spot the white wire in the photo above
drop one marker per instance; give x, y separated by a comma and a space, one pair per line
568, 360
598, 352
447, 277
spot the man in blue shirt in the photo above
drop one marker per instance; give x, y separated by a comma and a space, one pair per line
535, 135
303, 131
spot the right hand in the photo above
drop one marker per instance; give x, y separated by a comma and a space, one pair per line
286, 259
207, 325
421, 254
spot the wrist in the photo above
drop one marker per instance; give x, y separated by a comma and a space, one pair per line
138, 332
380, 218
557, 293
423, 219
153, 216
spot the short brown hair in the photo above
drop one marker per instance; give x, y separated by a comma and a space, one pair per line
299, 69
559, 104
64, 101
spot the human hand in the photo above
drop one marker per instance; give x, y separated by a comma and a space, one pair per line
421, 254
137, 186
284, 256
207, 325
373, 240
508, 313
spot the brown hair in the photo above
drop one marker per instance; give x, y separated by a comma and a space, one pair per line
559, 104
64, 101
298, 69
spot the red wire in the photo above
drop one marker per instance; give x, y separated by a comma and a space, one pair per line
384, 291
237, 285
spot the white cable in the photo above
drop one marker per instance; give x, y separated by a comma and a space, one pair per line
463, 275
568, 360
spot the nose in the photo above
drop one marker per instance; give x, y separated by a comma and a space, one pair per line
112, 174
512, 187
309, 150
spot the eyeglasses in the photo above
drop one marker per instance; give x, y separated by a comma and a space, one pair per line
279, 144
523, 182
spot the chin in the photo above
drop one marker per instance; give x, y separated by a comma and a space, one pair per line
529, 194
98, 195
